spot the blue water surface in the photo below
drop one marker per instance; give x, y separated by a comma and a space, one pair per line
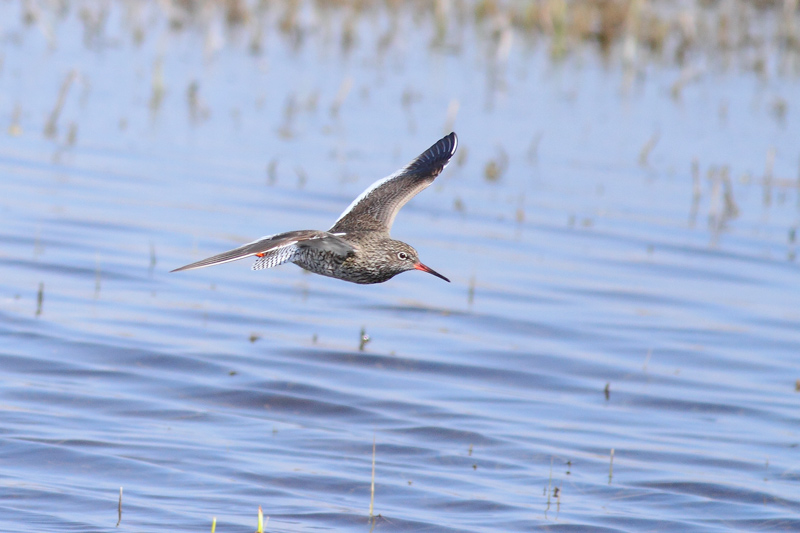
606, 300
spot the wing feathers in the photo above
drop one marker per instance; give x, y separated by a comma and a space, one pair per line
246, 250
277, 249
434, 159
376, 207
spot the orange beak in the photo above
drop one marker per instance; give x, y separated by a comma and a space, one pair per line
429, 270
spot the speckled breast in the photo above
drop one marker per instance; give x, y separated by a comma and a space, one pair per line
333, 265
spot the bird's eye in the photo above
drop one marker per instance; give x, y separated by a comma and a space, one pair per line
402, 256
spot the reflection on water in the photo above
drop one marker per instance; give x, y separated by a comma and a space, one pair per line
619, 224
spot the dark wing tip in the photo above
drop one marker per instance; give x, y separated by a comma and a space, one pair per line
434, 159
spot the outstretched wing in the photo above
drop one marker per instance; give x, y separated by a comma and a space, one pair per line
376, 207
277, 249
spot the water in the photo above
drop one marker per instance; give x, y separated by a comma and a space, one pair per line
601, 298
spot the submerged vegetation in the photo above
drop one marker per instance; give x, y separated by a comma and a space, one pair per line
761, 36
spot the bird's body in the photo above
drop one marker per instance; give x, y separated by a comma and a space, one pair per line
358, 247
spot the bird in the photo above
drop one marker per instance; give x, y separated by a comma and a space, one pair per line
358, 247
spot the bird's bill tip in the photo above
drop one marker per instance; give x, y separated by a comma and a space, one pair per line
429, 270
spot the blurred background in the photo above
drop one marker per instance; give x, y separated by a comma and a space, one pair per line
618, 349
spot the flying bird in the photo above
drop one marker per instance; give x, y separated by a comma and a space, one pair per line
357, 248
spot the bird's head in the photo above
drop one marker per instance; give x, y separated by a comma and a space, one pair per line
400, 257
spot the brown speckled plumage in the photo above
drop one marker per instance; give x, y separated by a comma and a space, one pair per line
358, 247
